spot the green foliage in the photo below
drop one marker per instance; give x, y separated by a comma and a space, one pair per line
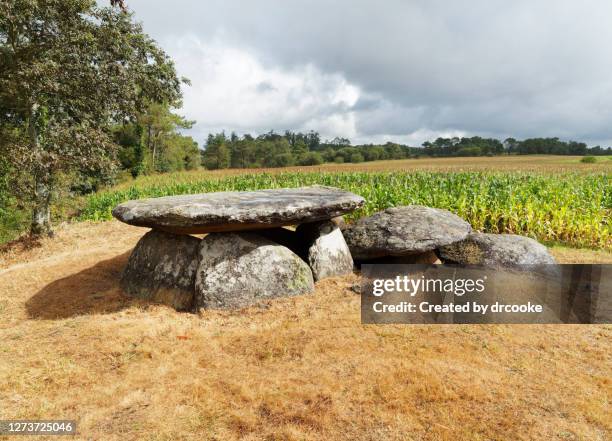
356, 157
153, 143
477, 146
179, 153
275, 150
469, 151
311, 158
572, 208
165, 148
69, 71
7, 213
589, 160
217, 154
283, 160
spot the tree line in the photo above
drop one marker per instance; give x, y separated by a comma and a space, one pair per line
295, 148
478, 146
291, 148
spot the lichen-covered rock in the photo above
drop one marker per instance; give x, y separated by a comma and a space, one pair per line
504, 250
327, 252
403, 231
238, 210
162, 269
241, 269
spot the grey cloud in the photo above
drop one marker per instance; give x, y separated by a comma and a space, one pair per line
265, 86
500, 67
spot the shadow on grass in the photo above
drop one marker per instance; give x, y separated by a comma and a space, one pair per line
94, 290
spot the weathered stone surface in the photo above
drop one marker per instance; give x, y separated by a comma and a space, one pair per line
505, 250
403, 231
240, 269
162, 269
327, 252
426, 258
237, 211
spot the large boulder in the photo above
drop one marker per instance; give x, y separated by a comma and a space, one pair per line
241, 269
162, 269
238, 210
327, 252
503, 250
404, 231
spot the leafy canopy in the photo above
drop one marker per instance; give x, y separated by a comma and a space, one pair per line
68, 71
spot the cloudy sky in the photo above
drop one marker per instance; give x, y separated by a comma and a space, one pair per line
403, 70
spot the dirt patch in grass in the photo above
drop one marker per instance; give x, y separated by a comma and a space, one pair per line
72, 346
580, 255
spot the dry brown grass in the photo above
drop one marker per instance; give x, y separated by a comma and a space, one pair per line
72, 346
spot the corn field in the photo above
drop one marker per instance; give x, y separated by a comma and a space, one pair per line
573, 209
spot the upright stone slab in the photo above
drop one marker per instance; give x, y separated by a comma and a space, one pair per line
238, 211
403, 231
326, 250
240, 269
162, 269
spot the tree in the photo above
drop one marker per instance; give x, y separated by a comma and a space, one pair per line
69, 71
217, 154
311, 158
131, 154
510, 144
356, 157
120, 4
158, 125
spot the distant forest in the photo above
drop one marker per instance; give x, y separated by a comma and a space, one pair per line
295, 148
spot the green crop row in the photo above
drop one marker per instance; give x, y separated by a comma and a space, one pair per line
572, 209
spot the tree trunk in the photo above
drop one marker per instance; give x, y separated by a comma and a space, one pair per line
149, 147
41, 213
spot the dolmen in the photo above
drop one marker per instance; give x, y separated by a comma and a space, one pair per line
270, 243
248, 254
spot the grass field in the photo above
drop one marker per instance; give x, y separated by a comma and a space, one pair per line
73, 346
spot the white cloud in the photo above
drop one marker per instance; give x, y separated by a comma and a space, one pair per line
232, 90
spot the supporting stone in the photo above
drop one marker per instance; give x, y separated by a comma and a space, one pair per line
162, 269
237, 270
327, 252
